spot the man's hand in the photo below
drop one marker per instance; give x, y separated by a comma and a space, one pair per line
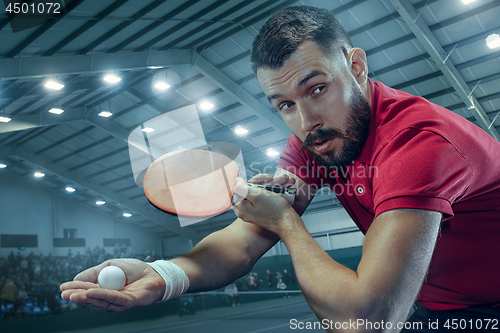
261, 207
144, 286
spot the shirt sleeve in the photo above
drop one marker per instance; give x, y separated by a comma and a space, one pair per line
420, 170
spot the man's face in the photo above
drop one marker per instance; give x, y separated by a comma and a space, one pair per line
320, 100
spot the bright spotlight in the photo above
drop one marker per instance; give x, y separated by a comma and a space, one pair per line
39, 174
100, 202
493, 41
56, 111
111, 78
206, 105
127, 214
5, 119
54, 85
240, 130
271, 152
161, 85
70, 189
105, 114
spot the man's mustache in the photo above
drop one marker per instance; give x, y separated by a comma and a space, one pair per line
321, 134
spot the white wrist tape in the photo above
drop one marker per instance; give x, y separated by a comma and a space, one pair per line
177, 282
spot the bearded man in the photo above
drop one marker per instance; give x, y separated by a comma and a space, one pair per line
421, 182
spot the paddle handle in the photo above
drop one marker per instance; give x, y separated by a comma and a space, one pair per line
286, 192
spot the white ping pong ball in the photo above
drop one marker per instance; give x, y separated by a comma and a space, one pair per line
112, 278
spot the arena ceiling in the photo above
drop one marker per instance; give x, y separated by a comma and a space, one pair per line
432, 48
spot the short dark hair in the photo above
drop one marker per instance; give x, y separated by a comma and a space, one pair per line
281, 35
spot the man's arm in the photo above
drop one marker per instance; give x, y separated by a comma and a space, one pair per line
217, 260
225, 255
396, 254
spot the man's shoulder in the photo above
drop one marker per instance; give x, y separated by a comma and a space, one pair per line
398, 111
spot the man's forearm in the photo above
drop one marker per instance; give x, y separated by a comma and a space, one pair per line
223, 256
210, 266
396, 254
328, 286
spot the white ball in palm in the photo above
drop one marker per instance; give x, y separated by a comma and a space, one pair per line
112, 278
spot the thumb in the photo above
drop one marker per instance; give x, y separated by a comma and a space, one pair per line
240, 190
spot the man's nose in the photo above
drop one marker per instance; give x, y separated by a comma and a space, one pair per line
310, 119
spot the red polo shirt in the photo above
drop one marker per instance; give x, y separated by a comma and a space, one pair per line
422, 156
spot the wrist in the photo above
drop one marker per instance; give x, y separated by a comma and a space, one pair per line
176, 280
290, 224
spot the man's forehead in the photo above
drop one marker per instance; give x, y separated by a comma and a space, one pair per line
307, 58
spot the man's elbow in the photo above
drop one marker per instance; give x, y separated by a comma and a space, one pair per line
380, 315
371, 315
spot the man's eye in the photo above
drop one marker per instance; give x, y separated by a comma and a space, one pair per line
285, 106
318, 89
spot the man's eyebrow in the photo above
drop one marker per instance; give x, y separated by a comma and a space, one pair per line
300, 85
309, 76
275, 96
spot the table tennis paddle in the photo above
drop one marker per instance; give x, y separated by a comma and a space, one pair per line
196, 183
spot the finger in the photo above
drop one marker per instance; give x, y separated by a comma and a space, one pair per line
109, 296
241, 189
77, 285
283, 180
261, 178
66, 295
247, 192
252, 194
91, 274
70, 288
240, 208
103, 300
290, 182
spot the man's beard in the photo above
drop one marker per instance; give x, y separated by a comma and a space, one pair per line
358, 128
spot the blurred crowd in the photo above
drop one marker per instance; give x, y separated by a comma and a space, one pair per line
252, 281
32, 281
29, 284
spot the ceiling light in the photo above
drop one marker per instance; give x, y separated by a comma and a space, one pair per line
271, 152
112, 78
148, 129
70, 189
105, 114
240, 130
161, 85
100, 202
54, 85
3, 166
56, 111
39, 174
127, 214
206, 105
5, 119
155, 67
493, 41
467, 1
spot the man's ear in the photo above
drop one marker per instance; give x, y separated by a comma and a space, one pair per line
359, 67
